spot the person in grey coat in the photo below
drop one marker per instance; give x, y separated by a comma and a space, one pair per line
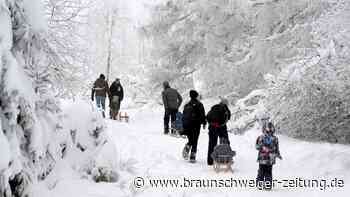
172, 101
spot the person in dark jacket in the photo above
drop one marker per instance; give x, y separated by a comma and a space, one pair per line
268, 147
116, 97
99, 91
172, 101
217, 119
193, 118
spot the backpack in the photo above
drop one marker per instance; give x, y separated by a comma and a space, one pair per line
267, 140
190, 113
217, 114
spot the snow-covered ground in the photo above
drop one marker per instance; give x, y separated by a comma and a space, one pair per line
143, 151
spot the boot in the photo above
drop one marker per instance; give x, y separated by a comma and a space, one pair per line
166, 130
193, 157
173, 129
186, 151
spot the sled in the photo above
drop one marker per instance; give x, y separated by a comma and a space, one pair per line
177, 133
223, 164
177, 127
123, 117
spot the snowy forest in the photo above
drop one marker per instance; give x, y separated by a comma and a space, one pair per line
285, 61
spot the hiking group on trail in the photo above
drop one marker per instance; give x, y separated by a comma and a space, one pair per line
194, 116
115, 93
189, 124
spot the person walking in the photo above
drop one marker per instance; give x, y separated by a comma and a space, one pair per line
268, 147
99, 91
116, 97
172, 101
217, 118
193, 118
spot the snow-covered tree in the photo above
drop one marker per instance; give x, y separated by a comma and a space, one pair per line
310, 98
26, 106
226, 46
68, 40
31, 121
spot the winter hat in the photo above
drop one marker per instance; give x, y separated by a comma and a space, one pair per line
270, 126
102, 76
194, 94
166, 84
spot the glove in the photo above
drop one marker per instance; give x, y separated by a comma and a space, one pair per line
92, 98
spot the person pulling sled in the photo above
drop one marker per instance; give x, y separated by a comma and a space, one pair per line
193, 118
115, 98
217, 118
172, 101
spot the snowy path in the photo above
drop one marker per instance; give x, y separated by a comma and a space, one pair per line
159, 155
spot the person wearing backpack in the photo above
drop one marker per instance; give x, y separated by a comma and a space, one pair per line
217, 118
193, 118
268, 147
100, 90
172, 101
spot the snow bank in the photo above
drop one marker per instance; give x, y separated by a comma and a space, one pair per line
91, 152
83, 120
81, 147
90, 155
